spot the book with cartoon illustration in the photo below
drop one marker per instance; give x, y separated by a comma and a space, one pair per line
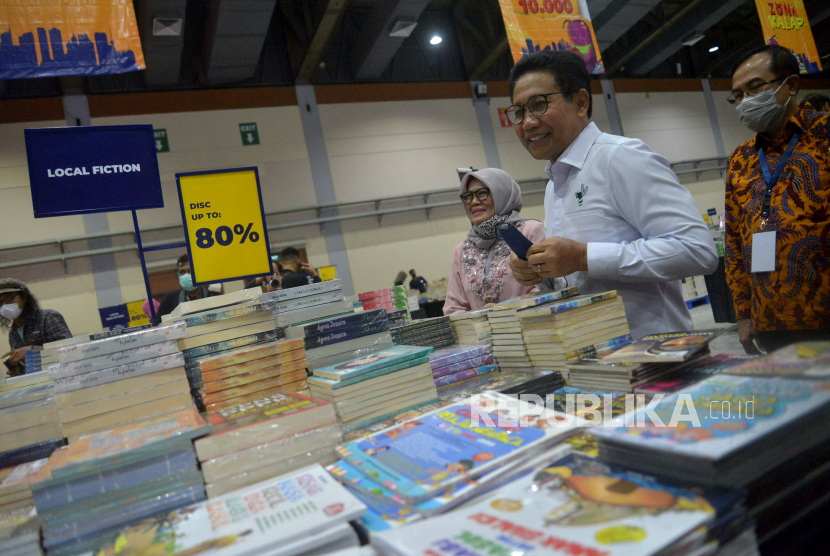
427, 455
663, 348
803, 360
579, 505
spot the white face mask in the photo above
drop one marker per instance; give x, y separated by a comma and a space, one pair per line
10, 311
761, 113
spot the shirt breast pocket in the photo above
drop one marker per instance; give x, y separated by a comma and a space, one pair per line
586, 225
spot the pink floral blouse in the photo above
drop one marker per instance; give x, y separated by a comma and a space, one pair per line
468, 289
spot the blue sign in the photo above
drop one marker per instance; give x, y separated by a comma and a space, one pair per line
79, 170
113, 318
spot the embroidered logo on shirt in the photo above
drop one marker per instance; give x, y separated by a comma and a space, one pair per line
580, 195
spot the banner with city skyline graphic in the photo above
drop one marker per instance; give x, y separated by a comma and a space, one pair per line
48, 38
786, 24
534, 25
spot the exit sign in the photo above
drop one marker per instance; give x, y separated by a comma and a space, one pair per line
250, 135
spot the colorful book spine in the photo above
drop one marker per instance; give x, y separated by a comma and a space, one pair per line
61, 370
123, 342
395, 290
463, 365
536, 300
333, 324
302, 291
309, 301
246, 354
255, 365
347, 333
105, 376
590, 351
373, 362
250, 387
335, 384
456, 355
289, 372
223, 314
217, 347
567, 305
464, 375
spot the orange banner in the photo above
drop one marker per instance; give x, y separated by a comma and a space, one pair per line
534, 25
785, 23
40, 38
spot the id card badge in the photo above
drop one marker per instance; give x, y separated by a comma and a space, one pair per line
763, 251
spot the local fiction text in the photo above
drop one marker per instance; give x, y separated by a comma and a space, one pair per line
82, 171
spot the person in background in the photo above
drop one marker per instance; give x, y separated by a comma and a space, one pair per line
295, 272
418, 282
399, 279
479, 274
189, 292
818, 102
616, 217
778, 207
271, 283
29, 326
145, 307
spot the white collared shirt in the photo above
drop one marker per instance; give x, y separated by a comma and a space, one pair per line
643, 230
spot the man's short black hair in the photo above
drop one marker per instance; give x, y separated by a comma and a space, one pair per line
184, 259
566, 68
784, 62
289, 254
816, 101
412, 271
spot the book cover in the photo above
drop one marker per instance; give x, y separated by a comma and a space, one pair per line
533, 299
191, 342
567, 305
756, 407
576, 504
285, 357
497, 381
255, 520
300, 303
118, 331
661, 348
313, 313
266, 388
802, 360
346, 333
463, 365
227, 313
287, 372
210, 349
61, 370
691, 375
373, 362
214, 302
325, 326
379, 376
456, 354
593, 349
131, 340
478, 313
438, 450
281, 381
385, 291
460, 376
249, 353
302, 291
121, 372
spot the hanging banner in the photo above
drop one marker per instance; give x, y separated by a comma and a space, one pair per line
534, 25
44, 38
785, 24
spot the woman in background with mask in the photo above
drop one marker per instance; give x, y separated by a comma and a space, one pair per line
29, 326
480, 275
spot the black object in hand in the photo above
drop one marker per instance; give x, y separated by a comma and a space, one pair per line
515, 239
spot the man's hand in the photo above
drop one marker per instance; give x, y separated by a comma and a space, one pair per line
746, 335
18, 356
308, 269
557, 256
522, 271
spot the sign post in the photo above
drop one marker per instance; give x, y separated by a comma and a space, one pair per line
224, 224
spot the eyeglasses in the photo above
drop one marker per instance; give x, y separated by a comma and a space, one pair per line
480, 194
537, 105
751, 91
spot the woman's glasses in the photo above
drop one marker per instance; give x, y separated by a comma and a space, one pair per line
480, 194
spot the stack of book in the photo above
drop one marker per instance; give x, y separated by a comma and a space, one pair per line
241, 297
15, 486
541, 385
562, 330
455, 364
49, 353
435, 332
637, 364
264, 438
29, 427
103, 384
307, 303
371, 388
492, 381
472, 327
686, 375
303, 513
575, 505
425, 464
242, 375
399, 318
34, 361
392, 299
806, 360
20, 533
104, 481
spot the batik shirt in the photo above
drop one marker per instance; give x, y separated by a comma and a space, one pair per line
796, 295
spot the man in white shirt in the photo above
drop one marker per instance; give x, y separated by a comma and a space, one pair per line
616, 217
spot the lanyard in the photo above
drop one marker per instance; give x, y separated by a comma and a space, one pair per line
771, 180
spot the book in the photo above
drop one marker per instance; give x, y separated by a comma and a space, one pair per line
136, 355
263, 389
478, 313
213, 302
124, 400
289, 372
288, 382
463, 366
272, 361
327, 325
469, 442
238, 315
377, 389
316, 312
346, 333
571, 505
677, 380
191, 342
449, 379
567, 305
105, 421
87, 395
121, 372
246, 354
131, 340
368, 380
302, 291
373, 362
227, 345
259, 519
810, 360
300, 303
534, 299
668, 347
243, 426
456, 354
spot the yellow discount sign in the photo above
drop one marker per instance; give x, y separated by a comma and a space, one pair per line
224, 225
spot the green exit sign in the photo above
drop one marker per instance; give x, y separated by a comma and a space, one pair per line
250, 135
162, 146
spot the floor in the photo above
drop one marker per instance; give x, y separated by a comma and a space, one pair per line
726, 342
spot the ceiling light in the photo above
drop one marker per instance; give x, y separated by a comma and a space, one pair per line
713, 49
435, 40
402, 28
693, 39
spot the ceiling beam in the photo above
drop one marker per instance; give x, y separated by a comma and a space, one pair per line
325, 30
374, 48
496, 53
617, 17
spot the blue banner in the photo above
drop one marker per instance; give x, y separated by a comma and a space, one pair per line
113, 318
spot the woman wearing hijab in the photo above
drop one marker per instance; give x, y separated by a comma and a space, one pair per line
480, 274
